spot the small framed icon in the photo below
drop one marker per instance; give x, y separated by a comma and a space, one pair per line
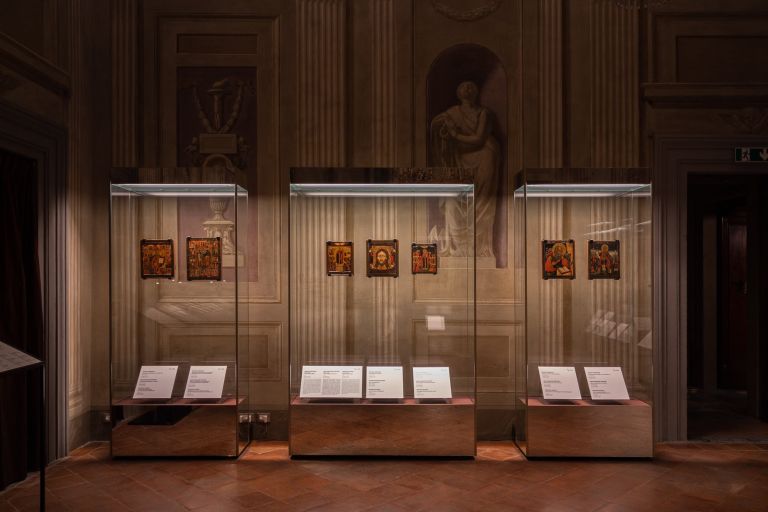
203, 259
339, 258
156, 257
424, 258
383, 258
558, 259
604, 257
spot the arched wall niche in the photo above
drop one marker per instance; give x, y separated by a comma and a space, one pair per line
472, 63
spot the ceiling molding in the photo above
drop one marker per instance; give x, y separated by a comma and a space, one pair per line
712, 95
32, 66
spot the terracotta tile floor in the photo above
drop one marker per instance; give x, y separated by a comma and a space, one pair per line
703, 477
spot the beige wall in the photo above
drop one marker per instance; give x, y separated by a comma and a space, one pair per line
342, 82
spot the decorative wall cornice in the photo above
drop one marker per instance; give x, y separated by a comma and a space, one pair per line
707, 95
32, 66
478, 12
752, 120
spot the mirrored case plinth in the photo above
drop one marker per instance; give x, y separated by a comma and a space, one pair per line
367, 427
382, 341
179, 312
584, 357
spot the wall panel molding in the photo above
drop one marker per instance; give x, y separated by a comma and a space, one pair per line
321, 64
666, 29
78, 367
33, 66
615, 75
383, 142
320, 331
124, 83
550, 83
125, 153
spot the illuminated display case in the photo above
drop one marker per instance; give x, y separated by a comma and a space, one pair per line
382, 340
179, 312
583, 255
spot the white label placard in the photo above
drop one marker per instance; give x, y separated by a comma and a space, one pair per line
155, 382
384, 382
606, 383
435, 322
559, 383
331, 382
205, 382
432, 382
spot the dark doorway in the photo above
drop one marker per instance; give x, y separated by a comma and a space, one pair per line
727, 306
21, 316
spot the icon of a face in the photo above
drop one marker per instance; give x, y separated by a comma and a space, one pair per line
604, 249
381, 257
558, 251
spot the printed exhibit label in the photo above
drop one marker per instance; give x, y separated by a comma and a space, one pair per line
384, 382
155, 382
331, 382
606, 383
559, 383
205, 382
432, 382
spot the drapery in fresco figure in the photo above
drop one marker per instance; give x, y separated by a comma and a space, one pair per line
461, 137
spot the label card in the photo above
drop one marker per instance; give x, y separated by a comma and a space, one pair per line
155, 382
331, 382
559, 383
205, 382
606, 383
432, 382
384, 382
435, 322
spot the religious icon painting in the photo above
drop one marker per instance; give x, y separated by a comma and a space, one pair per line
424, 258
604, 259
383, 258
156, 259
558, 259
339, 258
203, 259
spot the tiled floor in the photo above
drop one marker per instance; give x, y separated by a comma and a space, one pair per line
682, 477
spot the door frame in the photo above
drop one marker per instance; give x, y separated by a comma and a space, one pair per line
33, 137
675, 158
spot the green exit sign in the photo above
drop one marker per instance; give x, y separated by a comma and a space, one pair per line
747, 155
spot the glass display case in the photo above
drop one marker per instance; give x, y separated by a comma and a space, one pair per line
382, 284
583, 255
179, 312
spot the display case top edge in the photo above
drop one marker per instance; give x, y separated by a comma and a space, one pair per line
381, 175
583, 175
171, 176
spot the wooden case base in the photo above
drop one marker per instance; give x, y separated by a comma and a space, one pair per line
366, 427
178, 428
585, 428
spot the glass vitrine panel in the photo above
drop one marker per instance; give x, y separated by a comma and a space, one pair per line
583, 254
382, 311
179, 315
